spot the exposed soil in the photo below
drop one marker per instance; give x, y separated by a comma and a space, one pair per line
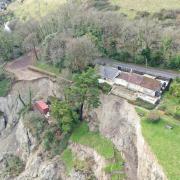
19, 68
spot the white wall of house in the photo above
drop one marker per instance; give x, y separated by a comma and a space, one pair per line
144, 97
134, 87
121, 82
110, 82
148, 92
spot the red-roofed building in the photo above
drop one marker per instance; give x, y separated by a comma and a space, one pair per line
42, 107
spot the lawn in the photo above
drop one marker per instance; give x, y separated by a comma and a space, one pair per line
83, 136
5, 86
34, 8
165, 143
130, 7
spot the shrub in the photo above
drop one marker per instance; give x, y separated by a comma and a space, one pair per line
175, 89
105, 87
35, 123
144, 104
53, 143
153, 117
174, 62
13, 166
177, 113
162, 107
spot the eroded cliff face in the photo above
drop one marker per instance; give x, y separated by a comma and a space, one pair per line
17, 140
119, 122
115, 118
148, 166
98, 163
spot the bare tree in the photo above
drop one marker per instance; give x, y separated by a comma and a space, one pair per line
30, 43
80, 53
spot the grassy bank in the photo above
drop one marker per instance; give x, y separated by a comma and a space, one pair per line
130, 7
34, 8
164, 142
5, 86
104, 147
48, 68
82, 135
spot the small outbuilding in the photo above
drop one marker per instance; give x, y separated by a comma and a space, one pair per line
42, 107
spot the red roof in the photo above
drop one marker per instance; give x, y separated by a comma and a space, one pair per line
140, 80
42, 106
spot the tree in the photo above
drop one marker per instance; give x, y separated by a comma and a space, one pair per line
30, 43
175, 89
53, 49
65, 116
6, 46
80, 53
84, 92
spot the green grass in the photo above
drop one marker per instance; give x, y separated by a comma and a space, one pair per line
144, 104
165, 143
130, 7
68, 159
83, 136
34, 8
49, 68
5, 86
116, 169
141, 111
103, 146
169, 104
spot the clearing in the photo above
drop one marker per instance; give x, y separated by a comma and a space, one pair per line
19, 68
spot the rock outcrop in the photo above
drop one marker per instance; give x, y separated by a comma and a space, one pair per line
99, 163
15, 138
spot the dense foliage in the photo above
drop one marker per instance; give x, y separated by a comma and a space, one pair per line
65, 116
175, 88
77, 33
84, 92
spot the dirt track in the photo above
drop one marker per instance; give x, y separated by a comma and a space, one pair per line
19, 68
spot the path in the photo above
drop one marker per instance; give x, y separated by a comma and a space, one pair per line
19, 68
154, 71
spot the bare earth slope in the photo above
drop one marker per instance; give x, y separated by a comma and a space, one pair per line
119, 122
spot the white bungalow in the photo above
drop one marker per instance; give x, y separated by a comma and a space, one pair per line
139, 83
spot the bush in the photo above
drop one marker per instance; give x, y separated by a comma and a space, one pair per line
174, 62
177, 113
13, 166
53, 143
35, 123
162, 107
153, 117
144, 104
105, 87
175, 89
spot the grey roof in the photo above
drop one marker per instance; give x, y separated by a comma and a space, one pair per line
108, 72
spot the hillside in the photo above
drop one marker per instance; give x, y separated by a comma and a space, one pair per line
132, 7
90, 90
34, 8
